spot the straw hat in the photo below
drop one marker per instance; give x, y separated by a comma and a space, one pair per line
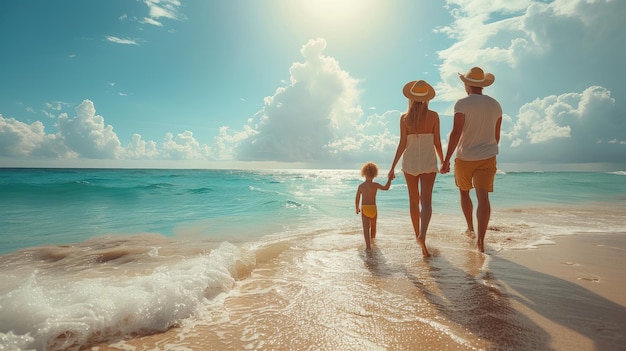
477, 78
418, 90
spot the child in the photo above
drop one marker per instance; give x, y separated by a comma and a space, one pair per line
367, 190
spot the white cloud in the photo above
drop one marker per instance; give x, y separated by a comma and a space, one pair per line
183, 147
555, 64
572, 127
147, 20
121, 41
139, 149
163, 8
18, 139
87, 134
307, 119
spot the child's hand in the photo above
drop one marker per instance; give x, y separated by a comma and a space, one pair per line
391, 175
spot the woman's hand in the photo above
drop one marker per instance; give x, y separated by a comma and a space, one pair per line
445, 167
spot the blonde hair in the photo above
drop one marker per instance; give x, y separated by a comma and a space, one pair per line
417, 110
369, 169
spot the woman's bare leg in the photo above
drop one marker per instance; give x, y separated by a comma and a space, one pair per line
412, 183
427, 183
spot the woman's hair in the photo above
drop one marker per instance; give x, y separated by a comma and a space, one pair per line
417, 110
369, 169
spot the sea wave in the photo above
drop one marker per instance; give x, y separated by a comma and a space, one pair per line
64, 309
618, 172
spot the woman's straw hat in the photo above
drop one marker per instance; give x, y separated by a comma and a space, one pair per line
418, 90
477, 78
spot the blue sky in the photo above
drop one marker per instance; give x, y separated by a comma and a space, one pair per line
277, 83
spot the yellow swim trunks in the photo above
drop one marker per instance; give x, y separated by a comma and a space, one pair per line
369, 210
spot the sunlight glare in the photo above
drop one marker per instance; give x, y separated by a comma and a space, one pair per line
336, 12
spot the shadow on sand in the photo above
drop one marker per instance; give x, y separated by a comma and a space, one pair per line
474, 300
570, 305
480, 299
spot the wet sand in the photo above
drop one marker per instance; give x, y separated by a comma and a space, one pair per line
566, 296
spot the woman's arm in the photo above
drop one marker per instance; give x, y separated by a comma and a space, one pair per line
400, 149
437, 137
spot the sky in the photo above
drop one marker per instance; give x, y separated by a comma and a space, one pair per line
302, 83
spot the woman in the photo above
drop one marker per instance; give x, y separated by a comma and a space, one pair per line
420, 143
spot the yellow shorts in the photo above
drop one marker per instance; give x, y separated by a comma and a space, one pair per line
369, 211
475, 174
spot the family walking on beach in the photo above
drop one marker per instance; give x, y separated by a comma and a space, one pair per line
475, 137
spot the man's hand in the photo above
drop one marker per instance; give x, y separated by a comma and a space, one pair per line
445, 167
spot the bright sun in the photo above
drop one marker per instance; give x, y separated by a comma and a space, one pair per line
337, 12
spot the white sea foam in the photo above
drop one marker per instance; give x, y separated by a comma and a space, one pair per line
56, 312
618, 172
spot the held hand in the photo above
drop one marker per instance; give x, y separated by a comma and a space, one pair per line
357, 210
391, 175
445, 167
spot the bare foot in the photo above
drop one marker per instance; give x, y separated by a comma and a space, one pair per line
423, 245
481, 245
470, 234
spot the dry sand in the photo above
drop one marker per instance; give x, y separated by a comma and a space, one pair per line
574, 290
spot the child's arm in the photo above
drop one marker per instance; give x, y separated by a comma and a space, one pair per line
358, 199
386, 186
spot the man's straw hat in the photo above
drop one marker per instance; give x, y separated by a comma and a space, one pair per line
476, 77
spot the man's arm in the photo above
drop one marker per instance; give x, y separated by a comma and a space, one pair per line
498, 125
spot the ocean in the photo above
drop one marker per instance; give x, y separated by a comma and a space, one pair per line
96, 259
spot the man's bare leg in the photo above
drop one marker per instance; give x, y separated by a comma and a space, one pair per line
468, 212
483, 212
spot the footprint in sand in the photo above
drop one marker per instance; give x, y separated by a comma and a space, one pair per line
593, 280
569, 263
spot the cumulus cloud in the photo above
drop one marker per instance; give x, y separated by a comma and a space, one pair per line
572, 127
18, 139
183, 147
535, 49
139, 149
314, 118
87, 134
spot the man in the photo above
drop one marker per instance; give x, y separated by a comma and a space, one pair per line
476, 133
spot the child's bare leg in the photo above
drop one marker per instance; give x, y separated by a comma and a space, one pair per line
366, 231
373, 228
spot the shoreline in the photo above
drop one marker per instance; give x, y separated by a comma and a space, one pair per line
573, 289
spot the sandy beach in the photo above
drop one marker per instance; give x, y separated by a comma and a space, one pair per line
565, 296
574, 289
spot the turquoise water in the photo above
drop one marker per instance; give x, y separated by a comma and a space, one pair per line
61, 206
92, 255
